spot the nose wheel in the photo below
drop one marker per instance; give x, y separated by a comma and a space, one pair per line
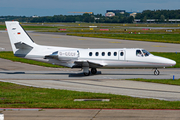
156, 72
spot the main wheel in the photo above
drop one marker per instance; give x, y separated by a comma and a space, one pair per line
87, 74
156, 72
93, 70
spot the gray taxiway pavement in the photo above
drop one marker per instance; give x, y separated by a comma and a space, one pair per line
91, 114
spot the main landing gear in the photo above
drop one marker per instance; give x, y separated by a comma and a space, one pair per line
156, 72
93, 71
87, 74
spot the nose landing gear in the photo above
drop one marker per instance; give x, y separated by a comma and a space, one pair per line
156, 72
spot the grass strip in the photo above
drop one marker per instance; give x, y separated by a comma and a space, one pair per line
18, 96
166, 38
161, 81
2, 27
9, 56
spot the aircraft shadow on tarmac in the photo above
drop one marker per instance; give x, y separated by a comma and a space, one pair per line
12, 73
74, 74
70, 74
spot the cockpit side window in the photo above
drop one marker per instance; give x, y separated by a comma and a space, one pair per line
139, 53
146, 53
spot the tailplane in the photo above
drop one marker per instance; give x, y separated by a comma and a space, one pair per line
20, 40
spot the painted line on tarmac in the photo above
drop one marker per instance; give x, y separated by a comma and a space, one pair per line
114, 42
158, 46
55, 37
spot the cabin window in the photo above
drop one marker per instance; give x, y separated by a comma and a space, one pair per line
146, 53
122, 54
90, 53
97, 53
103, 53
139, 53
115, 53
109, 53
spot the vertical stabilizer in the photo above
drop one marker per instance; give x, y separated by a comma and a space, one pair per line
20, 40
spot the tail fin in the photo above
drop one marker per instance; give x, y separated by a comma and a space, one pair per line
20, 40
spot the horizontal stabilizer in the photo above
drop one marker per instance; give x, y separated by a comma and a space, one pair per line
21, 45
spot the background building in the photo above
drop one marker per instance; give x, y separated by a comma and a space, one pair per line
109, 14
116, 11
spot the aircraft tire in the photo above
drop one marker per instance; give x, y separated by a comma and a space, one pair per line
87, 74
93, 70
156, 72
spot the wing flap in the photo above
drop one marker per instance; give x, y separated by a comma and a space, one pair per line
80, 64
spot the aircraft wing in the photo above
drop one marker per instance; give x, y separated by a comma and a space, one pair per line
85, 63
73, 62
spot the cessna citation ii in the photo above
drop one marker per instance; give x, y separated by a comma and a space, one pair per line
23, 46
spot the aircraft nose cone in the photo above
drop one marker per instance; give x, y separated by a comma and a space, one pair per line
167, 62
171, 62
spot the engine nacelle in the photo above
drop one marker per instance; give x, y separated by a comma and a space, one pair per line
68, 55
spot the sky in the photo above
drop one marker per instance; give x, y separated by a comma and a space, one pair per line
64, 7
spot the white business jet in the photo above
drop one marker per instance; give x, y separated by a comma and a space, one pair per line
23, 46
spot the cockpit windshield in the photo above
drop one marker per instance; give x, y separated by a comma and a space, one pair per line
139, 53
146, 53
142, 53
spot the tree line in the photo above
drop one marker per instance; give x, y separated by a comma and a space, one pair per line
158, 15
89, 18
